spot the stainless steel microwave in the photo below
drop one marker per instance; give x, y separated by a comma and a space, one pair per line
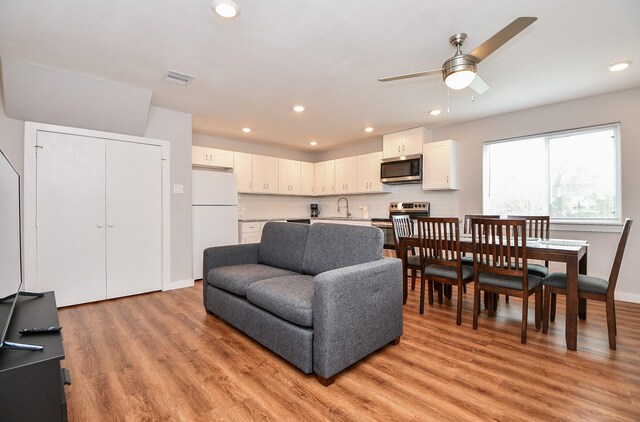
406, 170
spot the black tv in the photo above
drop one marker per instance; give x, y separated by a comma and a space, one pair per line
10, 251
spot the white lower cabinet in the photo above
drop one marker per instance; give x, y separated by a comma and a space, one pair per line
99, 217
251, 232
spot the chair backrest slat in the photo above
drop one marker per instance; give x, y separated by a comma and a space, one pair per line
402, 227
467, 221
537, 225
439, 240
617, 262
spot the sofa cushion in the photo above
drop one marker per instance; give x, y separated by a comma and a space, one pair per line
283, 244
332, 246
236, 278
289, 297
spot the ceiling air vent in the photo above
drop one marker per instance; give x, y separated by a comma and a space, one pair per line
178, 78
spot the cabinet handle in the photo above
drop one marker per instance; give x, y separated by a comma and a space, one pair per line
267, 186
447, 179
250, 185
100, 226
111, 226
403, 147
398, 148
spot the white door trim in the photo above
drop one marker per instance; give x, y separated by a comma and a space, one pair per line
30, 251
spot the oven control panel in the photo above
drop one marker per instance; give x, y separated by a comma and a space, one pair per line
409, 206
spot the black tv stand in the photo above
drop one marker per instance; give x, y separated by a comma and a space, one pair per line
29, 294
32, 383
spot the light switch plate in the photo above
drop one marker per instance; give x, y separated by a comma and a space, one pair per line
178, 188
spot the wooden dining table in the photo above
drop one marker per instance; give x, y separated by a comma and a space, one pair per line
572, 253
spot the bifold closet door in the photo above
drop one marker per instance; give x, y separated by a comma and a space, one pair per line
70, 212
133, 218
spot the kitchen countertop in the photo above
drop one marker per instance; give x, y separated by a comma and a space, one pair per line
256, 220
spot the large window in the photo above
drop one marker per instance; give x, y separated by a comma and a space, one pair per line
571, 176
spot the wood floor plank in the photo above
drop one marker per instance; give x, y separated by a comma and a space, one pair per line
160, 356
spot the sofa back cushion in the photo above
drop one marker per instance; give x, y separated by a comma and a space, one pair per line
332, 246
283, 245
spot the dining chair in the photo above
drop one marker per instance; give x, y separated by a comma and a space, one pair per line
498, 248
468, 260
537, 226
402, 227
439, 240
589, 287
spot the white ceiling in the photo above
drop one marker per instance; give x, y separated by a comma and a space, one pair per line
328, 55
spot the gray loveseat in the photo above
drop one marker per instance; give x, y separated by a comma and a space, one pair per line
320, 296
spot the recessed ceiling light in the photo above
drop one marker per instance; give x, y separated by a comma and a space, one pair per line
246, 129
298, 108
225, 8
368, 129
435, 112
313, 143
617, 67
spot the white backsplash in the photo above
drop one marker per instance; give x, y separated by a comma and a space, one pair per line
443, 203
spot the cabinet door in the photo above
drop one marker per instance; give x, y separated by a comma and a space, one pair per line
307, 171
220, 158
294, 177
440, 165
70, 215
242, 167
199, 156
318, 176
412, 141
329, 177
341, 175
392, 145
369, 172
284, 186
351, 174
134, 218
258, 170
271, 174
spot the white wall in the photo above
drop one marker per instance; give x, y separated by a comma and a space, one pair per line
175, 127
623, 107
12, 138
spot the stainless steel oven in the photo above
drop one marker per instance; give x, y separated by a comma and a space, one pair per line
413, 209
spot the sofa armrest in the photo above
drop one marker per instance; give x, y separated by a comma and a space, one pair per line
356, 310
222, 256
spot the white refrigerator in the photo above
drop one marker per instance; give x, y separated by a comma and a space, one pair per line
215, 213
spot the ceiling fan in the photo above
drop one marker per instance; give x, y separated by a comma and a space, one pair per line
460, 71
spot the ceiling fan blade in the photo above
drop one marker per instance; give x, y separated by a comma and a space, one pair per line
478, 85
411, 75
501, 37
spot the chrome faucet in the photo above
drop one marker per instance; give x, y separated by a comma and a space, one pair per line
340, 199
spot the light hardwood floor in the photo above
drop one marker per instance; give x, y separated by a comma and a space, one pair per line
159, 356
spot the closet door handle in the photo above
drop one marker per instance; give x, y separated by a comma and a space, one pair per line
111, 226
100, 226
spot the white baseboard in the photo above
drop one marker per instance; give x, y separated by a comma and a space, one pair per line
628, 297
180, 284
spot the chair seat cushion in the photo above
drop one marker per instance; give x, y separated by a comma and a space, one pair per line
236, 278
289, 297
448, 272
507, 281
413, 260
537, 270
586, 283
467, 260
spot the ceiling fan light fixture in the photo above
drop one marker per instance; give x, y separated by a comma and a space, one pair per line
459, 71
225, 8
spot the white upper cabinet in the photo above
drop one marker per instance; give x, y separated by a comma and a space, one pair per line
407, 142
346, 175
211, 157
242, 167
264, 174
307, 176
330, 177
288, 177
440, 165
369, 173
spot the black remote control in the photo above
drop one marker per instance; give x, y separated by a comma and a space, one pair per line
41, 330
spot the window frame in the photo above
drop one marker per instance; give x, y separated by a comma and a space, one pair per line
547, 136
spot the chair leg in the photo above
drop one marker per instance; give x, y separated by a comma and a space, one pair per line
496, 297
430, 290
485, 299
476, 304
546, 308
553, 307
448, 291
582, 309
506, 298
459, 310
611, 322
464, 288
615, 323
440, 288
538, 302
413, 279
525, 314
422, 293
490, 304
